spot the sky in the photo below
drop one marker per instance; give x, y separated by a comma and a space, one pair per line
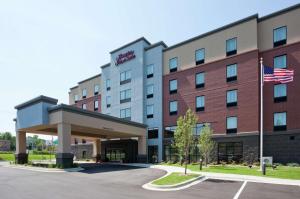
46, 47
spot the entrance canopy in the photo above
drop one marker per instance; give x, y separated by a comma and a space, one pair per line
42, 115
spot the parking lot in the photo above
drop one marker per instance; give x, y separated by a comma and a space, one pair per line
115, 181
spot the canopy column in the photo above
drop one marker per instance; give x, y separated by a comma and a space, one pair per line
64, 157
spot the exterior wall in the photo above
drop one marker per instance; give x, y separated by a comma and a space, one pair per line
79, 149
137, 72
293, 95
154, 56
266, 26
90, 103
88, 84
215, 89
215, 45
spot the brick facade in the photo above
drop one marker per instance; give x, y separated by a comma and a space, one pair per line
90, 103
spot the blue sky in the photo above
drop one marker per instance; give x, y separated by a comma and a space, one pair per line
46, 47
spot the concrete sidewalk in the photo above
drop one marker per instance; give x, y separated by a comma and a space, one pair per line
223, 176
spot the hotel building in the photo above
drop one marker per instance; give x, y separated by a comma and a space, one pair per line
145, 87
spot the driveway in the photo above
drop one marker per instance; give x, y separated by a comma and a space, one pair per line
116, 181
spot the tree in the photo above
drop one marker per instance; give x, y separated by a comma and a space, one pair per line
8, 136
183, 136
206, 144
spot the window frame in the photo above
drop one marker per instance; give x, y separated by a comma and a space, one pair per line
126, 80
96, 102
173, 112
108, 105
152, 131
84, 95
231, 130
283, 55
84, 105
126, 99
173, 91
231, 78
280, 98
281, 42
150, 115
151, 95
96, 92
202, 61
125, 109
171, 70
232, 52
108, 87
152, 74
232, 104
201, 108
280, 127
201, 85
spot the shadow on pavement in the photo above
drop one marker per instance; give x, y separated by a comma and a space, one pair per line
90, 168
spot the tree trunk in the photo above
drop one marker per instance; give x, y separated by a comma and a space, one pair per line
185, 162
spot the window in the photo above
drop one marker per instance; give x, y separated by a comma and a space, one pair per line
231, 98
125, 96
280, 121
200, 56
231, 47
153, 133
173, 108
150, 111
84, 93
200, 80
150, 71
200, 102
173, 86
280, 93
96, 89
75, 141
173, 64
125, 113
96, 105
198, 128
280, 61
169, 131
230, 151
125, 77
83, 106
108, 84
231, 124
76, 98
108, 101
279, 36
150, 91
231, 72
83, 141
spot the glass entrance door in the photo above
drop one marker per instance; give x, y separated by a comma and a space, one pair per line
115, 155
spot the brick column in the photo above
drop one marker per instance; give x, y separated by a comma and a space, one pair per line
64, 157
21, 157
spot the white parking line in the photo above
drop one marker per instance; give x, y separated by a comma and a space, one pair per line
237, 195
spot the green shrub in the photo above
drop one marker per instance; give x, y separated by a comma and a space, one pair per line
293, 164
44, 152
7, 152
256, 164
278, 164
223, 163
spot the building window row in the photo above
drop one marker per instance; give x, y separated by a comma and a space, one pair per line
231, 49
279, 38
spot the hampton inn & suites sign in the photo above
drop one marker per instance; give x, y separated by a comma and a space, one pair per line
124, 57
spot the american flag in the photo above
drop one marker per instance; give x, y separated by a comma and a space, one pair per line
278, 75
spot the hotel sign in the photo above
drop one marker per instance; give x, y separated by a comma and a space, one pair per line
124, 57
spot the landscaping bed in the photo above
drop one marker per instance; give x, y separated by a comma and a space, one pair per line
284, 172
175, 178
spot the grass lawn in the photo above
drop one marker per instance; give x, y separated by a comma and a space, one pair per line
174, 178
284, 172
11, 157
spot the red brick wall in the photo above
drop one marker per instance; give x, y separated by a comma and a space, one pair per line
291, 106
90, 103
215, 89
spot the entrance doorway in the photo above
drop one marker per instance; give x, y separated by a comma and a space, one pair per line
115, 155
153, 154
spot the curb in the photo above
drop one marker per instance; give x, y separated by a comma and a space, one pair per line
45, 170
174, 185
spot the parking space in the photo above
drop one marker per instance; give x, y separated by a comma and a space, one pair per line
116, 181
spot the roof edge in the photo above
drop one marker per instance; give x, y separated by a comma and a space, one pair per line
280, 12
36, 100
105, 65
93, 77
213, 31
73, 109
160, 43
130, 43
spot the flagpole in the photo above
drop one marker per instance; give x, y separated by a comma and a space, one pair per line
261, 112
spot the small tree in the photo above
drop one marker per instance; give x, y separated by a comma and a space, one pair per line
183, 136
206, 144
